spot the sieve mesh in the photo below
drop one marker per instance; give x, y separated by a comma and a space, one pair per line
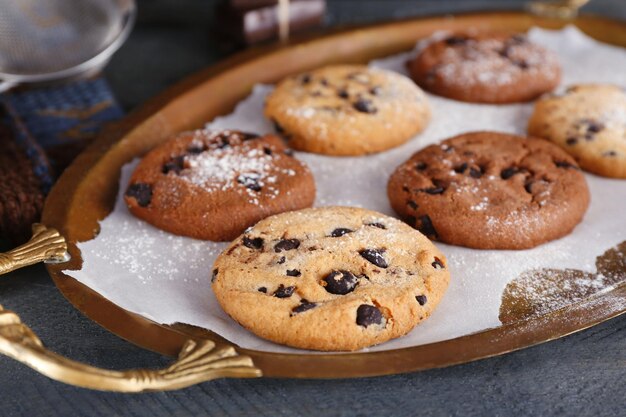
41, 37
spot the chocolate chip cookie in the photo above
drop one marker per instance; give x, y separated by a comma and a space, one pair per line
486, 68
332, 278
490, 190
589, 122
347, 110
212, 185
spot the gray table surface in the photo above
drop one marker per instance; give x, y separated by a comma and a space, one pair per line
583, 374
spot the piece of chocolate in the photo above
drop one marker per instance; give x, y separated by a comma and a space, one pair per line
249, 22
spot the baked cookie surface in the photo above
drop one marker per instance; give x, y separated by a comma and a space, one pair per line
332, 278
486, 68
490, 190
589, 122
212, 185
347, 110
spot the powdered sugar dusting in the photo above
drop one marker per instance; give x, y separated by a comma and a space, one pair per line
160, 263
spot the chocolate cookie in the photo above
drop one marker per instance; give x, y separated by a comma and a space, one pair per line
332, 278
486, 68
490, 190
347, 110
212, 185
589, 122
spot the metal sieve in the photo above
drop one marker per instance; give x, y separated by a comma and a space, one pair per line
57, 39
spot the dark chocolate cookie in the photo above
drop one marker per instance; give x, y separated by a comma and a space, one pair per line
490, 190
486, 68
332, 278
213, 185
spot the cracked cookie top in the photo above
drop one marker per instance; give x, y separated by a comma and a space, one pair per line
490, 190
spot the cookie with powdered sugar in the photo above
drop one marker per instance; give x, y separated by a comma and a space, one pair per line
331, 278
486, 68
589, 122
213, 185
347, 110
490, 190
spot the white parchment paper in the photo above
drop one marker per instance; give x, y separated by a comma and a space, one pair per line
166, 278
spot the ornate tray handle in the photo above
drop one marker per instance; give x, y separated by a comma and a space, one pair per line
46, 245
198, 361
562, 9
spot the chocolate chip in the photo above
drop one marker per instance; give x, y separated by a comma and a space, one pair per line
304, 306
412, 204
476, 172
425, 225
214, 276
141, 192
520, 63
459, 169
410, 220
594, 126
250, 182
281, 260
324, 82
379, 225
437, 264
293, 273
343, 93
433, 190
609, 153
564, 164
367, 315
421, 299
365, 106
571, 141
375, 90
263, 290
175, 165
528, 187
254, 243
455, 40
375, 256
507, 173
267, 151
286, 244
340, 282
305, 78
340, 231
420, 166
195, 149
284, 292
245, 136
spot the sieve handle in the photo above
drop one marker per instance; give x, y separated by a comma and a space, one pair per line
6, 85
198, 360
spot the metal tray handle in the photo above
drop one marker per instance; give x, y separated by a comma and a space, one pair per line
198, 361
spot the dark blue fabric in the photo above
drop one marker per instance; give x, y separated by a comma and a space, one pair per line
58, 116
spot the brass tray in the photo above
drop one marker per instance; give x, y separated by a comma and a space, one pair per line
86, 193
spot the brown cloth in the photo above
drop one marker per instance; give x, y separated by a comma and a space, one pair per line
21, 195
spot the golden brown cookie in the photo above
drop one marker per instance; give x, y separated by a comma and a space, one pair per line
486, 68
490, 190
332, 278
347, 110
589, 122
212, 185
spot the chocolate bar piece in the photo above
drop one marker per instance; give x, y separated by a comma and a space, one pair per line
250, 26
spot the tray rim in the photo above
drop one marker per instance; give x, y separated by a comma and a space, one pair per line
65, 210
